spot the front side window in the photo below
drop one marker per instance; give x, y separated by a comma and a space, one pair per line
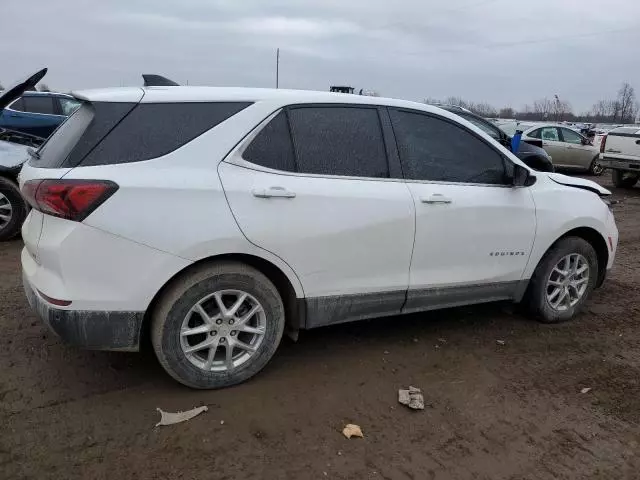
570, 136
486, 127
39, 104
434, 149
339, 140
550, 134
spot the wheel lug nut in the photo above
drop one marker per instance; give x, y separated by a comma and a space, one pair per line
231, 322
213, 333
233, 333
222, 340
219, 321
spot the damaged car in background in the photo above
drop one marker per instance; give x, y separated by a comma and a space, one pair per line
14, 152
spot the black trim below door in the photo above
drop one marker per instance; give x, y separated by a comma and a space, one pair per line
348, 308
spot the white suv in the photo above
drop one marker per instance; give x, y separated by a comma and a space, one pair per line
215, 219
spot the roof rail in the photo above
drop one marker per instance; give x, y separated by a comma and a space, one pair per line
152, 80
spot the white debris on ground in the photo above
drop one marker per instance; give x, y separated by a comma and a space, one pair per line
352, 430
169, 418
501, 342
585, 390
412, 398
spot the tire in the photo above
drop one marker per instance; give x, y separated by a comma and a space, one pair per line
596, 168
169, 317
12, 206
536, 299
620, 180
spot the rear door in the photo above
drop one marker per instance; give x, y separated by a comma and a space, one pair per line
312, 185
474, 231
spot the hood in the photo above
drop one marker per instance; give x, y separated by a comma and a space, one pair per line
15, 91
12, 155
579, 183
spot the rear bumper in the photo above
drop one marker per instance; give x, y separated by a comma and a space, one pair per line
89, 329
617, 164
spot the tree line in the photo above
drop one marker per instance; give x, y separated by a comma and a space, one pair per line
624, 108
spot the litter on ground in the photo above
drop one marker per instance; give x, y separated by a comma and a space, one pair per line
170, 418
352, 430
412, 398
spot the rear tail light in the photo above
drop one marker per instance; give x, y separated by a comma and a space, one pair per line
603, 143
70, 199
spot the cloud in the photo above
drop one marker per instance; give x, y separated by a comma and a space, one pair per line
484, 50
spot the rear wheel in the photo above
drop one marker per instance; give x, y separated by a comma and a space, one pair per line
218, 326
563, 280
13, 210
622, 179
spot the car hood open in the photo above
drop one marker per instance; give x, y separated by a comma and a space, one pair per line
579, 183
15, 91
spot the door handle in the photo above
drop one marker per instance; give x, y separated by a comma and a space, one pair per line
271, 192
435, 198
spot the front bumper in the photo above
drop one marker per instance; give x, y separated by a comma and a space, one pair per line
96, 330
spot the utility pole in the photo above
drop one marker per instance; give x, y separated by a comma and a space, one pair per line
277, 67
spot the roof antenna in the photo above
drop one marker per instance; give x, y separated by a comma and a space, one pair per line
152, 80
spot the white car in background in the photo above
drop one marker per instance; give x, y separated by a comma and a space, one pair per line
568, 148
214, 218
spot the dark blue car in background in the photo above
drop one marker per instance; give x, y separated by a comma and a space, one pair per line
38, 113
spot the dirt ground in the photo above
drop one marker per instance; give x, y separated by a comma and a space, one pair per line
512, 411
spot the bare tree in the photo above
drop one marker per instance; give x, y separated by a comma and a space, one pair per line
543, 108
626, 103
1, 86
43, 87
507, 112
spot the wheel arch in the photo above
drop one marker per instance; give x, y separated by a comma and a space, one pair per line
599, 244
295, 310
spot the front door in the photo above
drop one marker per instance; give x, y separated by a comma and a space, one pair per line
474, 231
327, 207
553, 145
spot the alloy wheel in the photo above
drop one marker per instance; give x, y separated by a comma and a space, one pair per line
568, 282
6, 211
223, 330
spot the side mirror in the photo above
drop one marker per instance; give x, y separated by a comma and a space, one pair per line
522, 177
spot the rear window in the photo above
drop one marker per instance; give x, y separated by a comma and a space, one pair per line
80, 133
152, 130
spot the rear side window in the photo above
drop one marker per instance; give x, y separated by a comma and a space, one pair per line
435, 149
17, 105
272, 147
80, 133
339, 140
152, 130
39, 104
535, 133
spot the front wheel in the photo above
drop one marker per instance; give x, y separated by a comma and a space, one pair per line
596, 168
218, 326
563, 280
13, 210
623, 179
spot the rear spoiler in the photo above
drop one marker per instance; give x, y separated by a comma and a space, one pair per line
152, 80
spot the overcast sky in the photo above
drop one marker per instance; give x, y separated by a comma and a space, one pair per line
504, 52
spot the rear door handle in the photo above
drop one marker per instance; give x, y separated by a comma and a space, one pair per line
435, 198
271, 192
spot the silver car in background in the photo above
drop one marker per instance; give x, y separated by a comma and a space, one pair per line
567, 148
